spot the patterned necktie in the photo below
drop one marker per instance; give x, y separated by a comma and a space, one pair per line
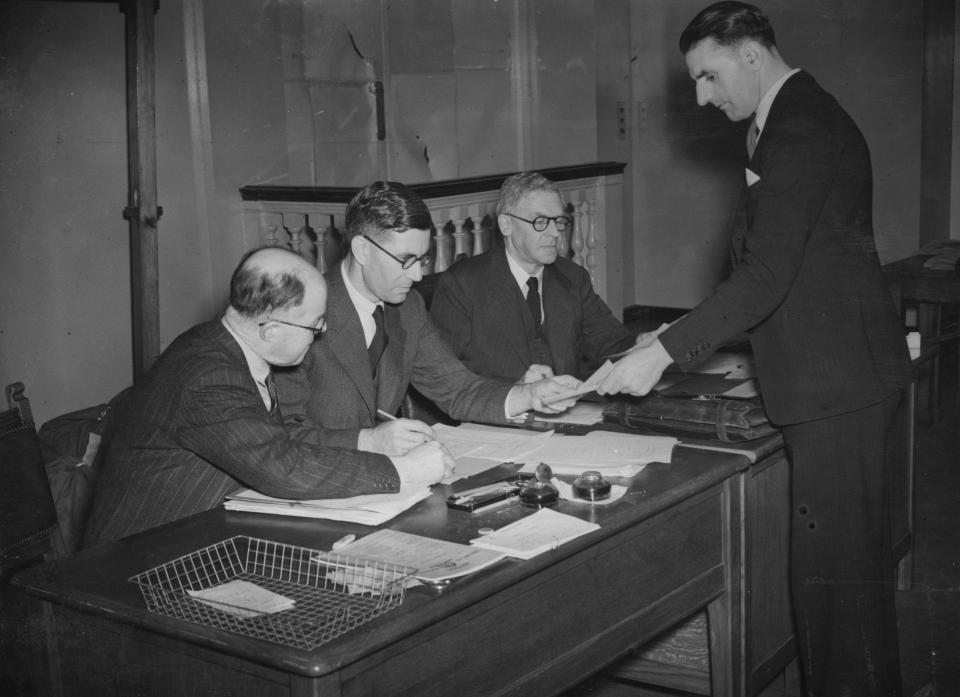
533, 301
753, 134
379, 342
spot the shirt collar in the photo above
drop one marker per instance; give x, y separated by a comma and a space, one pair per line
763, 108
259, 368
520, 275
363, 305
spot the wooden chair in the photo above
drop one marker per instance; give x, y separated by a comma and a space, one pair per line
29, 517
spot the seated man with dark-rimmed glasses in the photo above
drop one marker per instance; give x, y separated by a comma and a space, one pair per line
522, 304
380, 340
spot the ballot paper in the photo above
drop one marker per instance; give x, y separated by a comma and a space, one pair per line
613, 454
368, 509
587, 386
431, 560
242, 599
535, 534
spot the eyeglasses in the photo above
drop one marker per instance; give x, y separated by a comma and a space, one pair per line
407, 263
316, 330
541, 222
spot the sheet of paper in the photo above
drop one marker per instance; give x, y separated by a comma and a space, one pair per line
587, 386
496, 443
242, 599
369, 509
434, 560
537, 533
602, 450
745, 390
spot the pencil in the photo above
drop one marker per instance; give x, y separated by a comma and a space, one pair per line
384, 415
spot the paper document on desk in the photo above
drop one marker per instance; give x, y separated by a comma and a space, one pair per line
610, 453
477, 447
544, 530
433, 560
368, 509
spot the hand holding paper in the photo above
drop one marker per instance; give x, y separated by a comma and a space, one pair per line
637, 372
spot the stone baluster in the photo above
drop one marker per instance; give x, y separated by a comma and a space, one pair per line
272, 231
592, 259
577, 241
460, 249
479, 243
441, 257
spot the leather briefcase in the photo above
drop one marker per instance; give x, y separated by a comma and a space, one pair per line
726, 420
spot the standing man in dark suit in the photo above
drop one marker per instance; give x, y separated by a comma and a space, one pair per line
830, 350
522, 304
381, 340
206, 422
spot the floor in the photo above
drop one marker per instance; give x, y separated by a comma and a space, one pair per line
928, 614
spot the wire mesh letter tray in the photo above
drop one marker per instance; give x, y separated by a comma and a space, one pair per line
332, 593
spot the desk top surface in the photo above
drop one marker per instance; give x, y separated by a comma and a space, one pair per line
96, 580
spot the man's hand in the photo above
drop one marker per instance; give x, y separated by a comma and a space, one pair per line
638, 371
645, 339
536, 372
532, 395
395, 437
428, 463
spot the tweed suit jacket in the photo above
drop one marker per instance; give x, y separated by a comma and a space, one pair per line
198, 429
334, 388
484, 317
806, 282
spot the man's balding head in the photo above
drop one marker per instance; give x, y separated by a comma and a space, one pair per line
269, 279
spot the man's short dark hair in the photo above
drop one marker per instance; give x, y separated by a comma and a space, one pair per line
255, 292
384, 206
728, 23
516, 186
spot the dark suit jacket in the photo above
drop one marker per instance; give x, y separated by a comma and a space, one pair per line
334, 388
482, 313
806, 281
198, 429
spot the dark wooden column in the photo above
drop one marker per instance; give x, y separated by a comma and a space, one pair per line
936, 120
142, 210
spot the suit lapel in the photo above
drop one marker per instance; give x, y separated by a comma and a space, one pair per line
505, 301
344, 339
556, 303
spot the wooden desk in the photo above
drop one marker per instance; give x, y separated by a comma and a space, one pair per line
909, 280
672, 547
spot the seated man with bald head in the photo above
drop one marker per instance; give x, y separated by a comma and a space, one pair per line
206, 420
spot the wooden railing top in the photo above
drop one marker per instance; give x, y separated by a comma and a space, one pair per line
426, 190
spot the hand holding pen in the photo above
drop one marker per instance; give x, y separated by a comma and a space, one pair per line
394, 436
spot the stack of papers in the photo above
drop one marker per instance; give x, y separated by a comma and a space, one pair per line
544, 530
478, 448
369, 509
242, 599
432, 560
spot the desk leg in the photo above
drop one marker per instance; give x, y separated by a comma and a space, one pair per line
726, 614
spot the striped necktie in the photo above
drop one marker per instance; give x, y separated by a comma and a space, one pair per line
753, 134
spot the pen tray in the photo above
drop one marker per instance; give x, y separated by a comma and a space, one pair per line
332, 593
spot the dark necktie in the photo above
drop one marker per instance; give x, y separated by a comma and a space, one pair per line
379, 342
272, 392
533, 301
753, 134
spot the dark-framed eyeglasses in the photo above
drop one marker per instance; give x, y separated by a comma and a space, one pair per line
407, 263
316, 330
540, 223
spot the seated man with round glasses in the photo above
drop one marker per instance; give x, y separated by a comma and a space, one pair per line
521, 303
380, 340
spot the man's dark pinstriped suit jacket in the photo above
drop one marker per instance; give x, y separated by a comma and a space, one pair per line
198, 429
